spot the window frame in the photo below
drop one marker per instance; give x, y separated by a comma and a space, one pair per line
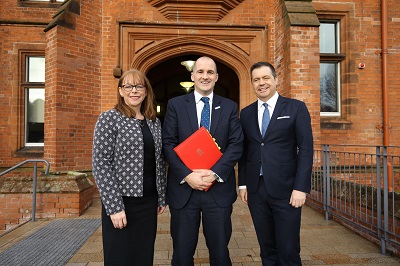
336, 58
40, 4
338, 90
42, 1
25, 85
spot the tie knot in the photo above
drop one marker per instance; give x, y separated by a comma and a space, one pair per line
265, 105
205, 99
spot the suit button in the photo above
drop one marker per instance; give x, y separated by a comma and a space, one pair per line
262, 144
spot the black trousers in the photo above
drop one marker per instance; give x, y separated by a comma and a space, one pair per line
217, 229
134, 244
277, 226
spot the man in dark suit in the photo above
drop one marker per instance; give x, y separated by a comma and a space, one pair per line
275, 169
186, 196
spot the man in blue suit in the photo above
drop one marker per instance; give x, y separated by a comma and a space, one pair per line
188, 201
275, 169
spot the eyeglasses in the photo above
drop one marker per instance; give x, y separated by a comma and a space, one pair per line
138, 87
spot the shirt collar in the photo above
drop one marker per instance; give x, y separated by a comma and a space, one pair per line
198, 96
271, 102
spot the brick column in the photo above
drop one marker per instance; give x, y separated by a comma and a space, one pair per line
297, 56
73, 82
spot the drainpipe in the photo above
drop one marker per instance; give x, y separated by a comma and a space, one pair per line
385, 88
117, 71
384, 75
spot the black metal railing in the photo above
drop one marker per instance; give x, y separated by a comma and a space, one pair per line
360, 187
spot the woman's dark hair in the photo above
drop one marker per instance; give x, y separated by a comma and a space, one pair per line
148, 106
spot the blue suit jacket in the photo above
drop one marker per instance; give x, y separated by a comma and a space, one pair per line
179, 123
285, 152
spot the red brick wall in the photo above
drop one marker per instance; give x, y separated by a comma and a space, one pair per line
16, 208
362, 88
281, 49
11, 10
57, 196
73, 89
14, 37
13, 40
304, 72
297, 64
79, 81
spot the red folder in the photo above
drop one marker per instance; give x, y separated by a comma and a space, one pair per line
199, 150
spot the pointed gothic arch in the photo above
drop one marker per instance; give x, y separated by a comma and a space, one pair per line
232, 65
145, 46
161, 51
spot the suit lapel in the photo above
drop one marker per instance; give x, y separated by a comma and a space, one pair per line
253, 120
280, 105
215, 113
191, 111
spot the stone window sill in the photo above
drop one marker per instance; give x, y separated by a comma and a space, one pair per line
31, 152
334, 123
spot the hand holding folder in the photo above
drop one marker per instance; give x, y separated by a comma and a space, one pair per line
199, 151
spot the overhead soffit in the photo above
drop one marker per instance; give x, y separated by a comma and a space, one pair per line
194, 10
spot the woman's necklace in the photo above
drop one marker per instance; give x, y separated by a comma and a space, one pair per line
141, 121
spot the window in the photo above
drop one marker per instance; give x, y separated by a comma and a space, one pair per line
41, 3
329, 84
330, 58
49, 1
33, 87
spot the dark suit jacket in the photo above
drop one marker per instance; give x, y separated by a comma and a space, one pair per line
179, 123
285, 152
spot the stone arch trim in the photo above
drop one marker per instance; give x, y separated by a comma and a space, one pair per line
224, 52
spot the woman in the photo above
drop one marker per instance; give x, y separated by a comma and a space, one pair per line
129, 171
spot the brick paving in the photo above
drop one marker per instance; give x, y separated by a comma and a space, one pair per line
323, 242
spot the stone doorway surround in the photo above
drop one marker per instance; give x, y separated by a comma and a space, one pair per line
144, 45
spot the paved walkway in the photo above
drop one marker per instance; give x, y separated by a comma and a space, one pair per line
322, 242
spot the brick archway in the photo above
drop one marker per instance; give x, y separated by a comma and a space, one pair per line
146, 46
171, 48
187, 45
162, 51
195, 45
